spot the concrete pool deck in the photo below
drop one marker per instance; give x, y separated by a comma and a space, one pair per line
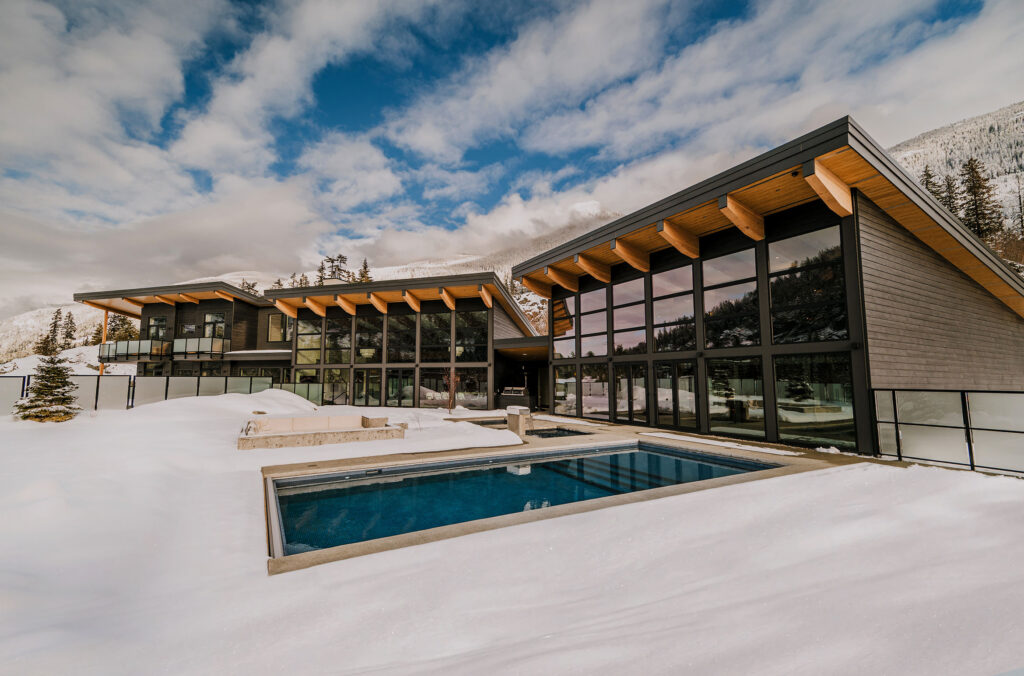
793, 460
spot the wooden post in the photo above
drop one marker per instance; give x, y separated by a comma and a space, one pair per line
106, 313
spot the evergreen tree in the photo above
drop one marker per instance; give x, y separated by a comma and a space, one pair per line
981, 213
50, 342
121, 328
929, 183
278, 284
364, 273
336, 267
303, 280
293, 281
321, 273
1019, 222
950, 197
97, 335
51, 394
68, 331
249, 287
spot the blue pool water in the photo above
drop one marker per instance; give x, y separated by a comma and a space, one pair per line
327, 511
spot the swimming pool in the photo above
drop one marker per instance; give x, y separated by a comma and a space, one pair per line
342, 508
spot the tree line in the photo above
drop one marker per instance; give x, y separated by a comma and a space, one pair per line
971, 196
331, 267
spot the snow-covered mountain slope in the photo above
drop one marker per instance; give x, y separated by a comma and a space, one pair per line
20, 332
996, 138
83, 360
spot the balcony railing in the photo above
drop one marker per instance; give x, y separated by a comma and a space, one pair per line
196, 347
133, 350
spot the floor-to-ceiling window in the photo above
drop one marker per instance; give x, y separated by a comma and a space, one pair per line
338, 340
676, 383
730, 301
471, 335
814, 399
366, 387
736, 396
399, 387
369, 340
594, 323
307, 345
630, 392
435, 336
434, 383
401, 338
808, 296
567, 386
594, 390
672, 309
563, 327
336, 386
629, 317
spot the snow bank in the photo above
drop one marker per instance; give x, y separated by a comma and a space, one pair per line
134, 542
83, 360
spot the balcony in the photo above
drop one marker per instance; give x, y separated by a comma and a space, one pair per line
134, 350
185, 348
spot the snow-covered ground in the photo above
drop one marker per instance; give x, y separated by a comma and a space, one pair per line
83, 360
134, 542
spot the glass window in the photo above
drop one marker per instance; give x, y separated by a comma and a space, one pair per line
731, 316
366, 387
435, 336
594, 390
565, 348
279, 328
630, 392
401, 338
594, 323
434, 388
676, 384
677, 280
594, 346
566, 387
471, 336
736, 396
628, 292
157, 328
308, 342
214, 325
471, 388
307, 375
736, 266
593, 300
563, 317
630, 342
336, 384
930, 408
808, 296
338, 340
629, 316
369, 339
400, 387
814, 395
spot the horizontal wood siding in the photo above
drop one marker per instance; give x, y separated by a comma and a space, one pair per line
504, 327
244, 321
930, 326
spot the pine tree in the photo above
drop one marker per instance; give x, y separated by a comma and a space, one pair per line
321, 273
50, 342
929, 183
51, 395
97, 335
121, 328
278, 284
950, 197
249, 287
1020, 207
336, 267
982, 214
303, 280
68, 331
364, 273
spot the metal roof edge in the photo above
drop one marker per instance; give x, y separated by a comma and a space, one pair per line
171, 288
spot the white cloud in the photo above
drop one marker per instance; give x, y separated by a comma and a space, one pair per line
456, 184
351, 171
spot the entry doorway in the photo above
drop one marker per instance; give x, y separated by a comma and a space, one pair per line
676, 388
400, 386
366, 387
630, 381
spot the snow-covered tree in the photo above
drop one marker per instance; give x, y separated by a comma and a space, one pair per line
364, 273
68, 330
930, 183
303, 280
293, 281
250, 287
50, 342
51, 394
981, 211
950, 197
321, 273
278, 284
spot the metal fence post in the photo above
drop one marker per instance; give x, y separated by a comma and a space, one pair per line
968, 431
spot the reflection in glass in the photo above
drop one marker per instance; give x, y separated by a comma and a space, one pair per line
594, 391
336, 383
338, 340
630, 342
731, 316
813, 247
673, 310
564, 349
629, 316
594, 323
471, 335
739, 265
401, 338
566, 387
809, 305
628, 292
814, 394
399, 387
594, 346
563, 317
434, 388
630, 392
369, 340
593, 300
736, 396
471, 388
435, 336
366, 387
672, 281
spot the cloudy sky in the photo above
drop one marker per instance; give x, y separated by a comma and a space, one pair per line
154, 142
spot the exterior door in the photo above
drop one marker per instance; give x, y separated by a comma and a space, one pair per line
366, 387
400, 386
676, 383
631, 392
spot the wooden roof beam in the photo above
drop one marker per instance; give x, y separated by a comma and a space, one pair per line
485, 296
447, 297
345, 304
562, 278
188, 299
223, 294
602, 272
287, 309
539, 288
107, 308
378, 302
830, 188
165, 299
746, 220
316, 306
412, 300
685, 242
136, 303
632, 254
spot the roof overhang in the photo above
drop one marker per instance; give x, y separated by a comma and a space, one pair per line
484, 286
534, 348
129, 302
826, 164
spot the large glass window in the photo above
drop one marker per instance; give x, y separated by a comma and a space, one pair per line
339, 340
594, 390
366, 387
336, 387
471, 388
808, 295
307, 342
563, 317
214, 325
401, 338
434, 387
157, 328
279, 328
471, 335
566, 387
814, 395
306, 376
731, 312
676, 383
435, 336
399, 386
736, 396
369, 339
630, 392
673, 320
629, 317
594, 323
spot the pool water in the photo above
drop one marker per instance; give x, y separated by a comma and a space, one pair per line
319, 512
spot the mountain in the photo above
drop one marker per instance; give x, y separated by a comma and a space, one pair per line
19, 333
83, 360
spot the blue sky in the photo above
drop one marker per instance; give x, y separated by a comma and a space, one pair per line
150, 142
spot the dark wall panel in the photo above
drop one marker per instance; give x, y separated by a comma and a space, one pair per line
504, 327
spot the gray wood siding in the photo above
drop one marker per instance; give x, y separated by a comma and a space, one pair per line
244, 322
504, 327
930, 326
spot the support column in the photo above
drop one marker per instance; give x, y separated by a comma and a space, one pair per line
106, 314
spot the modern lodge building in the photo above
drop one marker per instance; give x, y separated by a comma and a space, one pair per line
814, 295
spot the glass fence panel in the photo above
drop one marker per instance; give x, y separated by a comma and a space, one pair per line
239, 385
104, 350
182, 386
211, 385
86, 392
261, 383
113, 392
149, 389
940, 444
999, 450
10, 392
205, 345
887, 439
884, 409
133, 347
121, 347
191, 345
180, 345
930, 408
997, 411
145, 347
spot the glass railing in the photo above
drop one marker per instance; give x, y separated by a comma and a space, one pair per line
199, 346
127, 350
